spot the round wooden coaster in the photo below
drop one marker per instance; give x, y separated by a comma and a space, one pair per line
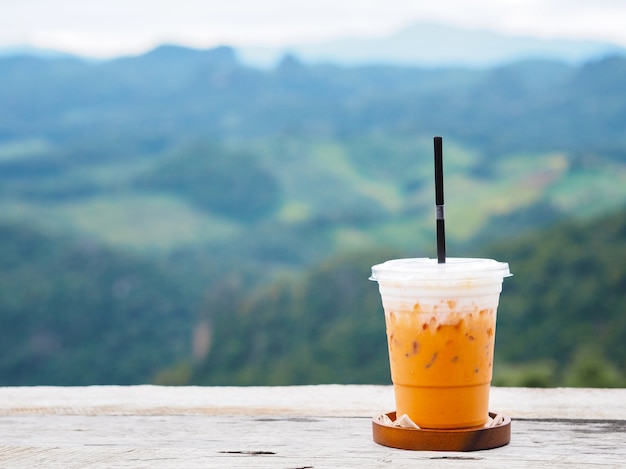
468, 439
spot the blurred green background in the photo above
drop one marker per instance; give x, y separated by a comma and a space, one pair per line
178, 217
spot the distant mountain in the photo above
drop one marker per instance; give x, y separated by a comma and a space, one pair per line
173, 94
422, 44
33, 52
205, 180
428, 44
285, 165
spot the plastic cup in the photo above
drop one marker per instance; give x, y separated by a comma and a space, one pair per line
441, 323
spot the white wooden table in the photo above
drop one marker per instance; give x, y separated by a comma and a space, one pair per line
325, 426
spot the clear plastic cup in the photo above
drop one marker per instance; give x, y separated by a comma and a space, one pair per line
441, 323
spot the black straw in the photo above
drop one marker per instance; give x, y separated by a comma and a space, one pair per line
441, 231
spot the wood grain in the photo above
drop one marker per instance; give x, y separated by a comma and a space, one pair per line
262, 427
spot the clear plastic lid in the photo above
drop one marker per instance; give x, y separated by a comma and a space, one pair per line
424, 268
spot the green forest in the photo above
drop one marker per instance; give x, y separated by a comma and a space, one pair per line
560, 320
179, 218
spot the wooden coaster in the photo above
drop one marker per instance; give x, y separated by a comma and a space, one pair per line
468, 439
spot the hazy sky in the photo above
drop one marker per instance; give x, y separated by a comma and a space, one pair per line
113, 27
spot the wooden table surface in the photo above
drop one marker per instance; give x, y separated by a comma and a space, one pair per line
287, 427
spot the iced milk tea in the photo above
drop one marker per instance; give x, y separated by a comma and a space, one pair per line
441, 326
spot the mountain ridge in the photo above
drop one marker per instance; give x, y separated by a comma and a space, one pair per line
204, 179
425, 44
436, 45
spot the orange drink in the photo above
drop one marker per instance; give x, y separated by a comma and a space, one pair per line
441, 322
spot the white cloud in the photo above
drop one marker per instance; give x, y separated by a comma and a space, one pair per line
113, 27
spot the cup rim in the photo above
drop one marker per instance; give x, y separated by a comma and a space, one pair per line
455, 268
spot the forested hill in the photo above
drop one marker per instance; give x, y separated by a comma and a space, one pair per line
561, 320
173, 92
566, 304
79, 314
289, 163
134, 190
75, 313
